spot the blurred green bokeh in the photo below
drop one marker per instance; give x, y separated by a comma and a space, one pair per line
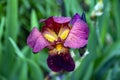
18, 17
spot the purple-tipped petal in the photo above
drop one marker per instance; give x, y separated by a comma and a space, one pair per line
36, 40
78, 36
75, 18
62, 61
61, 19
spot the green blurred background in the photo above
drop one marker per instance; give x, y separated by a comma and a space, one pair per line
18, 17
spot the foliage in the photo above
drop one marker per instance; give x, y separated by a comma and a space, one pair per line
18, 17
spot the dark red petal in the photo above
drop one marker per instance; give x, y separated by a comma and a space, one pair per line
54, 63
55, 23
63, 61
60, 20
67, 62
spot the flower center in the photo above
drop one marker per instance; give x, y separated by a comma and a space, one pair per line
59, 47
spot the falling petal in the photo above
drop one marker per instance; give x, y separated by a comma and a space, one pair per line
36, 40
63, 61
54, 63
78, 36
67, 62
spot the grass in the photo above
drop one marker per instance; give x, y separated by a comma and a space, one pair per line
18, 17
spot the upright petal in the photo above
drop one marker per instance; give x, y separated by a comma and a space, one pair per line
62, 61
55, 23
78, 36
36, 40
54, 19
75, 18
61, 19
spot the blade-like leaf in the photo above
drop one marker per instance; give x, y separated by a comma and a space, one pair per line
34, 21
18, 52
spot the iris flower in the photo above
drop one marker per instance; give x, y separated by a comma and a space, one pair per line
59, 34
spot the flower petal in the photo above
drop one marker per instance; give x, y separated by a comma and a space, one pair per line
55, 23
67, 62
63, 32
55, 19
63, 61
54, 62
75, 17
36, 40
78, 36
61, 19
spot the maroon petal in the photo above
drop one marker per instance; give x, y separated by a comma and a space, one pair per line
36, 40
54, 63
61, 62
54, 19
67, 62
55, 23
78, 36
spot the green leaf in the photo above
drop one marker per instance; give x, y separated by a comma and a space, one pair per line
116, 11
11, 30
18, 52
34, 21
24, 72
111, 55
35, 71
26, 3
84, 68
89, 72
2, 26
12, 19
103, 24
1, 34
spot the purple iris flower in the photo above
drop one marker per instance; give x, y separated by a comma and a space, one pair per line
59, 34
